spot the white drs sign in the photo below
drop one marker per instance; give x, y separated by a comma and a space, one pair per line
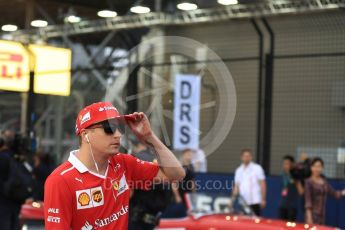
186, 111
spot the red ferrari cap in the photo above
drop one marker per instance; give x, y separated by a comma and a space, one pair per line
94, 113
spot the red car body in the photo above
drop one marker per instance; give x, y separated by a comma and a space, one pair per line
219, 212
34, 213
228, 222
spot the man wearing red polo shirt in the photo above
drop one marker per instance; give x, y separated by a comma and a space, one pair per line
92, 189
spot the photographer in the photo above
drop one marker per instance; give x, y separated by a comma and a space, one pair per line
301, 171
42, 167
187, 185
292, 188
13, 191
146, 205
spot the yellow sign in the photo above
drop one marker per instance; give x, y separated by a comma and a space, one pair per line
14, 67
52, 70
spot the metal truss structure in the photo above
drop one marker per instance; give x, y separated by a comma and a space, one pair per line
158, 20
269, 8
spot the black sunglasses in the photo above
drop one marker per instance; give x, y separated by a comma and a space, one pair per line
109, 127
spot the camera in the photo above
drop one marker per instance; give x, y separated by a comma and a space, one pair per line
301, 170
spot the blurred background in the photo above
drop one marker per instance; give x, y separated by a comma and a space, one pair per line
285, 59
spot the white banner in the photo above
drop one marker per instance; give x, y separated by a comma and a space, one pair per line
341, 156
186, 111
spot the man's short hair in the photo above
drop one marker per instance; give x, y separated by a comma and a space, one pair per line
8, 137
289, 158
187, 150
247, 150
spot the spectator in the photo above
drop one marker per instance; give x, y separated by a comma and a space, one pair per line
41, 170
187, 185
9, 209
316, 190
250, 182
146, 205
199, 161
290, 191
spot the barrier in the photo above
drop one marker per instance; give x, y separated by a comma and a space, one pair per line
216, 182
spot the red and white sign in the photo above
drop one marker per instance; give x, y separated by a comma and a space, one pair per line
14, 67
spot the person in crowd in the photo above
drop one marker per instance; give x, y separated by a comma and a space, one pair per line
316, 190
291, 190
199, 161
187, 185
9, 208
147, 205
92, 189
42, 167
250, 182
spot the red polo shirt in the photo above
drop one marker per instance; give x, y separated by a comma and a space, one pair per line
75, 198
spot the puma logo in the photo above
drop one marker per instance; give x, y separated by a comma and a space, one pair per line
80, 180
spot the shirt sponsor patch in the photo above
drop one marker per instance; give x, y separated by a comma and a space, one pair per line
87, 226
140, 161
117, 167
103, 222
116, 185
105, 108
53, 219
112, 218
123, 186
97, 196
85, 118
89, 198
53, 210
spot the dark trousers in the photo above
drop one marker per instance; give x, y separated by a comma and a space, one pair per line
135, 225
256, 209
9, 217
141, 220
289, 214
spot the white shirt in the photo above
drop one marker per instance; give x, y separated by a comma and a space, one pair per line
248, 180
199, 159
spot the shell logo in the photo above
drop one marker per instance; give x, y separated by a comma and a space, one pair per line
84, 199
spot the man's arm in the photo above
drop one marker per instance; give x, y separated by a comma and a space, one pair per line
235, 190
57, 204
262, 182
178, 198
263, 193
235, 193
197, 166
170, 167
308, 202
299, 187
